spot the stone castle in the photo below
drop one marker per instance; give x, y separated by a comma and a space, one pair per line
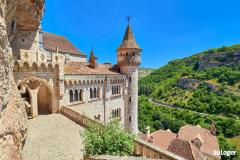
51, 72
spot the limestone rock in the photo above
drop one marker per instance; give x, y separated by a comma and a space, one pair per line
13, 118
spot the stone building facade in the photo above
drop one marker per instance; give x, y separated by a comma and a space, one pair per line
51, 73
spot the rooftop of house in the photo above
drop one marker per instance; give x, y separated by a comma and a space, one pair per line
76, 68
52, 42
185, 149
188, 133
156, 136
209, 142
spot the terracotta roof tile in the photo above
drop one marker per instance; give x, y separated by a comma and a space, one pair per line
85, 69
52, 41
160, 138
185, 149
210, 142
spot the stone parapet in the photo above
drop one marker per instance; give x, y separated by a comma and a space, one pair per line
145, 149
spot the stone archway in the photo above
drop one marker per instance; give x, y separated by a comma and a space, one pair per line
44, 99
42, 96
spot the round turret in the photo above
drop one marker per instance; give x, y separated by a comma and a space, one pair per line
129, 58
129, 52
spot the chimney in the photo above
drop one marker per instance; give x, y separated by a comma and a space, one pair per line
147, 132
213, 129
93, 60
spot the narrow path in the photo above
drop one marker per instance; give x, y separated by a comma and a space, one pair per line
159, 104
53, 137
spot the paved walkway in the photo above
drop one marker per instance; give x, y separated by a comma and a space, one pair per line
53, 137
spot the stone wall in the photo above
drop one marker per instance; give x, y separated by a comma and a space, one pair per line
15, 15
102, 106
13, 117
145, 149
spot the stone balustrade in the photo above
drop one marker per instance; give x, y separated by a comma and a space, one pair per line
78, 118
141, 148
145, 149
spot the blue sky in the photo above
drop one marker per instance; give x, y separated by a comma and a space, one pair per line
164, 29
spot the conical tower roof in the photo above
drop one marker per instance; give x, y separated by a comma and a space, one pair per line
129, 41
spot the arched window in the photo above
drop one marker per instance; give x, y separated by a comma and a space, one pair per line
91, 93
119, 89
76, 95
98, 92
71, 95
95, 93
12, 26
34, 67
80, 95
25, 66
112, 113
43, 67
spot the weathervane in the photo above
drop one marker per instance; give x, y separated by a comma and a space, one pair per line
128, 19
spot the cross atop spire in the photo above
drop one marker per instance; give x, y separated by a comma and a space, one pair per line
128, 19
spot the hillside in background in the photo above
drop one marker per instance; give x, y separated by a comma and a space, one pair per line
201, 89
144, 71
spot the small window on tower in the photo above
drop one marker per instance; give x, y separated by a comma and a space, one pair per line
130, 79
130, 99
130, 118
12, 26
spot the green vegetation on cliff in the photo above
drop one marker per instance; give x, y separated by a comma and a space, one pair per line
208, 82
201, 89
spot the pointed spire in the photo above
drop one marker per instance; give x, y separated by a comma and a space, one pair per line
129, 41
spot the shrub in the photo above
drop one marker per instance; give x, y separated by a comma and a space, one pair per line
110, 139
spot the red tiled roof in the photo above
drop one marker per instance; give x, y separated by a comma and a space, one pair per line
160, 138
52, 41
85, 69
185, 149
210, 143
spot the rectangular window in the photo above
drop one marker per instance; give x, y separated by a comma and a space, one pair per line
116, 90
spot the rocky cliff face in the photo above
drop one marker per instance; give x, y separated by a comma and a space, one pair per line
13, 119
15, 15
211, 60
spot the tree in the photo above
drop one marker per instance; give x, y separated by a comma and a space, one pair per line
110, 139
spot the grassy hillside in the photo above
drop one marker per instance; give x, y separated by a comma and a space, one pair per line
205, 89
208, 82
